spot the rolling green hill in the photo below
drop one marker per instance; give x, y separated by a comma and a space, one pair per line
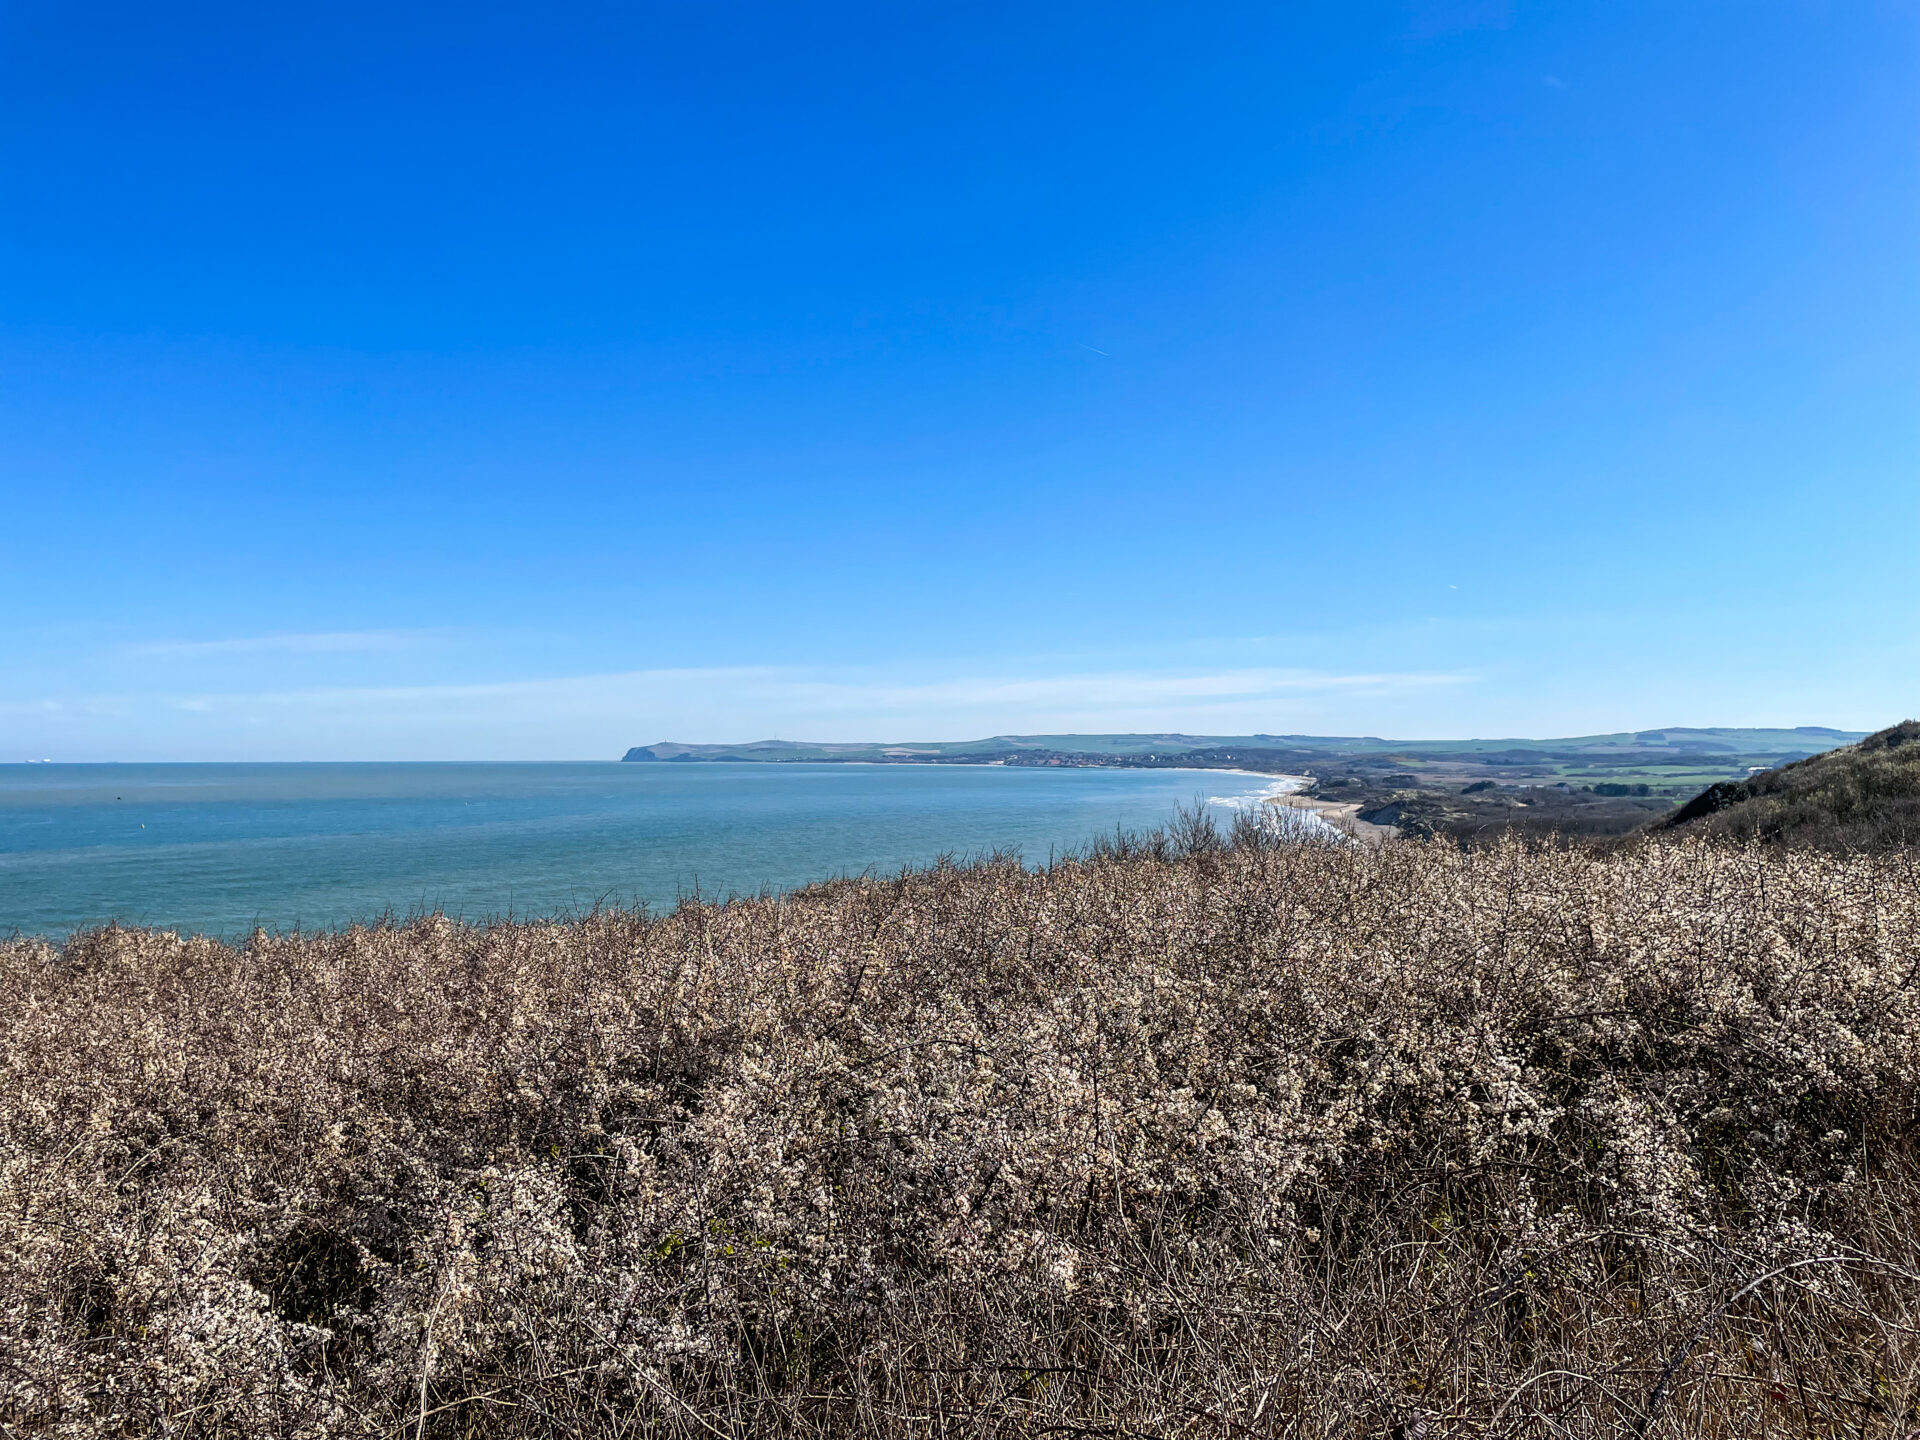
1676, 760
1674, 743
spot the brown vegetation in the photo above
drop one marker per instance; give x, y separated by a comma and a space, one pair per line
1175, 1140
1542, 813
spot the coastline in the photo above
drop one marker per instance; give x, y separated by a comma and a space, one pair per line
1343, 815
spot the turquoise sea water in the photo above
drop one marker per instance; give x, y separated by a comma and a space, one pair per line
221, 848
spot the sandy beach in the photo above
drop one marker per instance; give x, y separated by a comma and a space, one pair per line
1344, 816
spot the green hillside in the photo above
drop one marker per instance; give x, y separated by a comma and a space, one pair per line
1862, 796
1675, 762
1672, 744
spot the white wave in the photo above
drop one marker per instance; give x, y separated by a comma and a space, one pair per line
1289, 822
1284, 822
1276, 786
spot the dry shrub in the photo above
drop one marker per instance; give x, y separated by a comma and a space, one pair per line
1176, 1139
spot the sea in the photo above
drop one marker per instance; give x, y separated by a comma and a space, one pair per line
222, 849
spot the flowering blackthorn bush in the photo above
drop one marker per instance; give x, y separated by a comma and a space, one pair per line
1194, 1136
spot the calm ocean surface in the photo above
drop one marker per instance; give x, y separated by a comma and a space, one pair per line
220, 848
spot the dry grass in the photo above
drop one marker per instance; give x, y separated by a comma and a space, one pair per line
1176, 1140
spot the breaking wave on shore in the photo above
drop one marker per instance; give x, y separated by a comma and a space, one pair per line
1273, 789
1284, 821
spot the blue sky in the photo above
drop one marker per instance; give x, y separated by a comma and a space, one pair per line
477, 381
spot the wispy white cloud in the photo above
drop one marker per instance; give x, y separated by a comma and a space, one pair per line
328, 642
852, 692
604, 713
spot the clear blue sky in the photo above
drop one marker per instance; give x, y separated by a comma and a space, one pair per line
531, 381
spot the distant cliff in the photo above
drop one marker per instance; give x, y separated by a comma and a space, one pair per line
1739, 749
